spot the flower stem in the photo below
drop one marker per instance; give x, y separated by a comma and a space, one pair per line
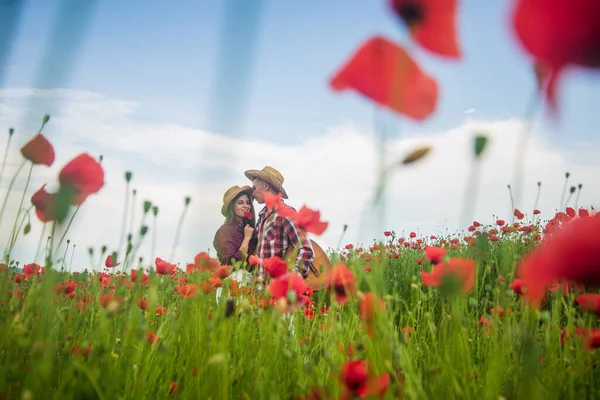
39, 246
21, 202
67, 228
72, 255
15, 233
124, 222
178, 231
519, 171
562, 199
10, 185
10, 135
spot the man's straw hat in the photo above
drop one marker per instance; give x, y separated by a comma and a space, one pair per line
270, 175
232, 193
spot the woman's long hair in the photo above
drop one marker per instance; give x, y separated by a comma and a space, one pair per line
230, 214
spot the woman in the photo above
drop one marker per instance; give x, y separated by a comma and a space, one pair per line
235, 239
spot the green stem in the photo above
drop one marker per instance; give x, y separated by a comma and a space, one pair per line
49, 254
562, 199
124, 222
72, 255
62, 266
10, 186
22, 200
519, 171
10, 135
67, 228
577, 197
39, 246
537, 196
15, 233
512, 203
177, 233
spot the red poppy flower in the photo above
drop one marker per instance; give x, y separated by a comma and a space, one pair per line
44, 204
385, 73
248, 214
369, 305
309, 221
30, 270
342, 283
518, 286
593, 340
203, 262
163, 267
589, 302
39, 150
84, 175
152, 338
187, 291
518, 214
289, 289
275, 266
570, 253
461, 268
434, 254
273, 200
357, 380
222, 272
432, 24
558, 34
110, 263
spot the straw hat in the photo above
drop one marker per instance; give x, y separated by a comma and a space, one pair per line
232, 193
270, 175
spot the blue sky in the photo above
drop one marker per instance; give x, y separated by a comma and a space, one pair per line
189, 94
165, 56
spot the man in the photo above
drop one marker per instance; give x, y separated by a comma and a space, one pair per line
275, 233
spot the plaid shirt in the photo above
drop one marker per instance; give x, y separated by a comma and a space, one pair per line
276, 234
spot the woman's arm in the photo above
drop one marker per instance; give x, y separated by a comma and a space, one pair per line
228, 245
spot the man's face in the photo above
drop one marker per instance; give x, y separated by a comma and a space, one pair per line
259, 188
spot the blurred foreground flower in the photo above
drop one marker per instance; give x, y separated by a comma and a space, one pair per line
571, 253
385, 73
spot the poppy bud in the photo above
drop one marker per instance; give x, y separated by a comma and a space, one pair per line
128, 176
416, 155
155, 210
480, 144
11, 131
188, 199
147, 206
229, 308
27, 229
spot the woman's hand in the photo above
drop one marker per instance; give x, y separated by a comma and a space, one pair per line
248, 231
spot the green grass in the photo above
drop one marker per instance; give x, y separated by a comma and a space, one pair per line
252, 353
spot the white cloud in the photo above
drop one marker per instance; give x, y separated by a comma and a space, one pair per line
332, 171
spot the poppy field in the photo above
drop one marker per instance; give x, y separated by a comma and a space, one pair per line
502, 309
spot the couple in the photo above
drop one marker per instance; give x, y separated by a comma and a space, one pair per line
272, 235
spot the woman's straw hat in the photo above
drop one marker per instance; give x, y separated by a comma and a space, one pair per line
270, 175
232, 193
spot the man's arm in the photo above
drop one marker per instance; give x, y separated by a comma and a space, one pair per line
306, 254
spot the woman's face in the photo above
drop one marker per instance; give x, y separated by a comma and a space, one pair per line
242, 205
